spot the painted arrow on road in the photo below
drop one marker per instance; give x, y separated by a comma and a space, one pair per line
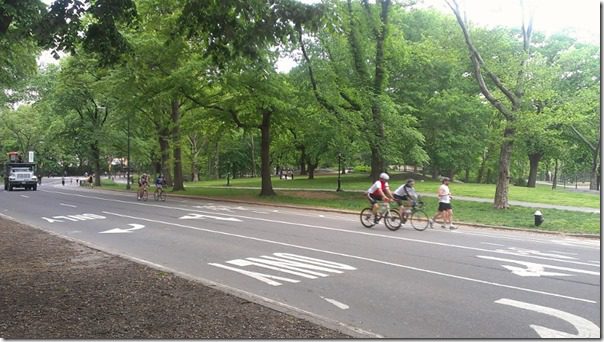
536, 270
135, 226
200, 216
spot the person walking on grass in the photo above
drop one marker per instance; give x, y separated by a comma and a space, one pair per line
445, 211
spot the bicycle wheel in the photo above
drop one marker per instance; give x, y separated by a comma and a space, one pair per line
367, 218
145, 195
393, 220
162, 196
156, 195
419, 220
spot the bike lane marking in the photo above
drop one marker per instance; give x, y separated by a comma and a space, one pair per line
497, 251
585, 328
535, 270
356, 257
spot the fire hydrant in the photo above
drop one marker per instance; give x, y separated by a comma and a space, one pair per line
538, 218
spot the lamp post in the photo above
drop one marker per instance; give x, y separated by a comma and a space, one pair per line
128, 152
339, 171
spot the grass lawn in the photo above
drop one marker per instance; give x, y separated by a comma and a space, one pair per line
464, 211
360, 182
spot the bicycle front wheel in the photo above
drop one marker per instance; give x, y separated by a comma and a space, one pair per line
162, 196
393, 220
156, 196
145, 195
367, 218
419, 220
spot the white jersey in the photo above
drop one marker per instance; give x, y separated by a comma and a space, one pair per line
446, 198
409, 192
378, 185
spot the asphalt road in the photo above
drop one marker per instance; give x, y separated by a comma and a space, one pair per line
326, 267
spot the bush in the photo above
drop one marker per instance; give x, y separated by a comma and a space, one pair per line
362, 168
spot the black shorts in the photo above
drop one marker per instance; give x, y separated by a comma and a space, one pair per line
399, 199
374, 198
444, 206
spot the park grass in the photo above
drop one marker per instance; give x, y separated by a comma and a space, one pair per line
360, 182
464, 211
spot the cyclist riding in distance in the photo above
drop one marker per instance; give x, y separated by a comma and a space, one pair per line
379, 191
406, 197
143, 182
160, 181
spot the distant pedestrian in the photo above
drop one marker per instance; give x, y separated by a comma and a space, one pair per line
445, 210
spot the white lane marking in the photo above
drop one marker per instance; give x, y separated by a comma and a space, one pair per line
336, 303
536, 270
340, 230
200, 216
595, 244
354, 257
585, 328
25, 196
492, 244
135, 226
266, 278
295, 264
524, 251
251, 295
68, 205
567, 253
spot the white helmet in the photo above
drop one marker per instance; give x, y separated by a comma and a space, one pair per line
384, 176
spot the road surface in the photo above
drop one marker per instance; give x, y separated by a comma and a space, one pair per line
468, 283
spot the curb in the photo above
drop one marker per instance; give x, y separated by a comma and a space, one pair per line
341, 211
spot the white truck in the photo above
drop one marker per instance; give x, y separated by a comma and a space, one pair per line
18, 174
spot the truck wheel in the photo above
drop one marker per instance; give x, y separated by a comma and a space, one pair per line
10, 188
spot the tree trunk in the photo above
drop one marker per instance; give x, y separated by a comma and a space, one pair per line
265, 165
178, 175
216, 166
253, 155
302, 161
377, 151
594, 177
311, 168
96, 155
164, 147
555, 179
503, 180
534, 159
195, 151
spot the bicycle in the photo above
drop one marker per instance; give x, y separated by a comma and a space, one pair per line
417, 217
144, 196
159, 194
391, 217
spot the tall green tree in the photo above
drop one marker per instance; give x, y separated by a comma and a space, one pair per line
509, 99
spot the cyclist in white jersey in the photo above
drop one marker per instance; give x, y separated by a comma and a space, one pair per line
379, 191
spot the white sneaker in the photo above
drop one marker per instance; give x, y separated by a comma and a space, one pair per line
452, 227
